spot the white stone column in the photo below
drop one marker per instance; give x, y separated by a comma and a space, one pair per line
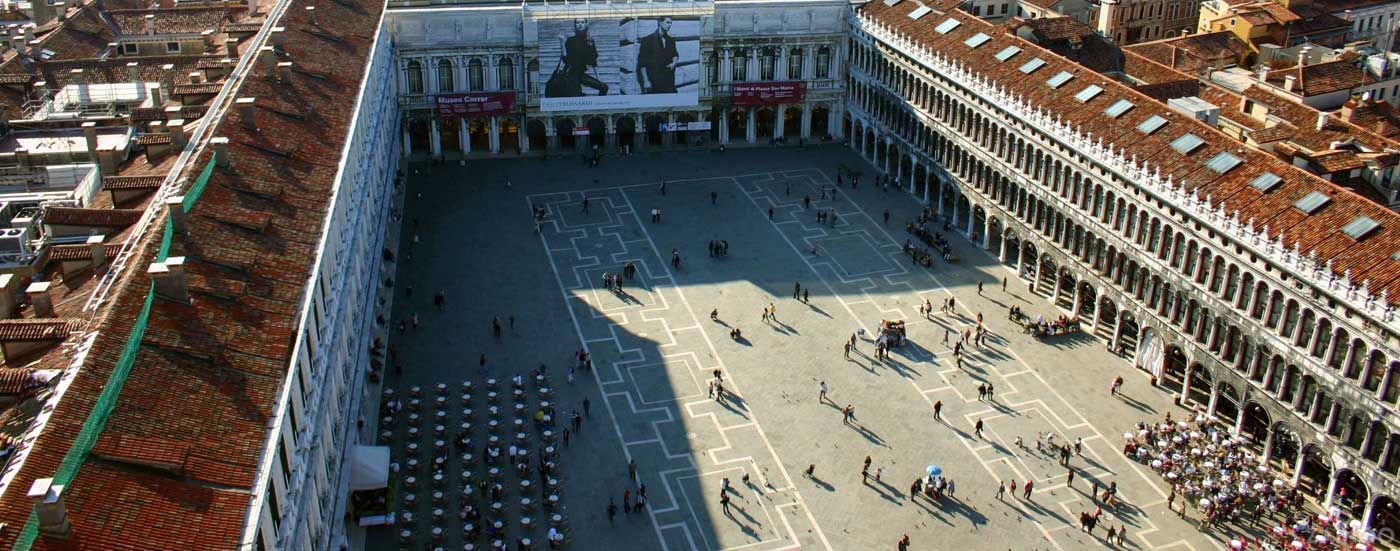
464, 137
1385, 382
1332, 482
752, 72
1268, 447
1214, 399
724, 127
781, 71
491, 82
1332, 414
751, 133
778, 126
1186, 382
806, 131
1001, 250
430, 83
986, 230
495, 134
1298, 468
436, 139
407, 141
522, 135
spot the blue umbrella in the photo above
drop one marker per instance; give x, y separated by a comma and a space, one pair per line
934, 470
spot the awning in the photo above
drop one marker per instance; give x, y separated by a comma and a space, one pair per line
369, 467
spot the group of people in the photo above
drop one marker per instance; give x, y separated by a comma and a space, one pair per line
1226, 481
1060, 326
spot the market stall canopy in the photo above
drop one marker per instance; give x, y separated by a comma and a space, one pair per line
369, 467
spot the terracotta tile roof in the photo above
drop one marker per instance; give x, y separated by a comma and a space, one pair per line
1369, 260
183, 20
84, 35
17, 330
1275, 133
1337, 161
241, 27
16, 78
1194, 52
151, 139
1060, 28
1322, 78
14, 381
202, 88
208, 375
80, 252
72, 216
132, 182
1172, 89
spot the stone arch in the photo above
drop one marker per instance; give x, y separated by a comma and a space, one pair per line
1352, 494
1385, 521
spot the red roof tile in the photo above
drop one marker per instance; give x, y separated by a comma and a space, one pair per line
20, 330
73, 216
132, 182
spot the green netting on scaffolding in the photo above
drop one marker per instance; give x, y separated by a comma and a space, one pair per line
107, 402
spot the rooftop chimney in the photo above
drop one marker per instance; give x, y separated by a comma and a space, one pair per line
1289, 83
221, 151
99, 251
247, 112
157, 96
133, 71
268, 56
90, 136
278, 38
196, 77
311, 15
107, 160
231, 46
176, 207
150, 23
48, 506
176, 127
29, 33
22, 157
8, 282
284, 71
1348, 111
169, 277
1263, 72
38, 293
42, 11
167, 78
252, 7
1322, 120
1383, 126
207, 37
76, 76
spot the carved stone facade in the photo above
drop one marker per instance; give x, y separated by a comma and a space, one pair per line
455, 49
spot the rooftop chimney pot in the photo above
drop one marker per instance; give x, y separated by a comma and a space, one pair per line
311, 15
90, 136
151, 23
8, 282
169, 277
49, 507
38, 293
220, 151
176, 207
176, 127
98, 249
284, 71
247, 112
133, 71
278, 37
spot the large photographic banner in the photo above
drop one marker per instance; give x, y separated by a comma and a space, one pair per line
603, 64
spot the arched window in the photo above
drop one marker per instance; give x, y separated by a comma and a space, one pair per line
505, 74
823, 62
795, 64
768, 64
476, 75
741, 66
415, 77
713, 68
444, 75
531, 69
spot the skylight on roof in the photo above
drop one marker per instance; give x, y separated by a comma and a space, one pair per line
1152, 124
1266, 182
1360, 227
1118, 108
977, 40
1088, 93
1059, 79
1312, 201
891, 2
1396, 256
920, 12
1032, 65
1007, 52
1223, 162
1187, 143
947, 26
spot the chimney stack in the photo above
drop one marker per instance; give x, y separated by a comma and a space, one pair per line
150, 23
48, 506
1348, 111
42, 12
1289, 83
22, 157
207, 37
76, 76
176, 127
231, 46
169, 277
1263, 72
252, 7
167, 79
1322, 120
99, 251
220, 151
311, 15
39, 298
60, 10
107, 160
176, 208
268, 56
7, 295
90, 136
284, 71
278, 38
196, 77
133, 71
247, 112
29, 33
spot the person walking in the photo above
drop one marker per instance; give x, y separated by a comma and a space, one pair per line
1029, 484
914, 489
1003, 284
770, 213
991, 392
1069, 483
714, 196
979, 428
806, 294
811, 467
878, 472
847, 347
796, 289
821, 397
632, 470
612, 510
586, 403
1001, 489
981, 392
627, 501
979, 288
887, 217
724, 502
1012, 486
938, 410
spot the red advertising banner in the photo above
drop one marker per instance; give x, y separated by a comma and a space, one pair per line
482, 104
768, 93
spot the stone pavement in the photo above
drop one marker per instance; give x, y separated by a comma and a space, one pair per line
655, 350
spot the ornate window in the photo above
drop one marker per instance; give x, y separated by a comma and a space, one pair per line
741, 66
444, 76
415, 77
505, 74
714, 67
795, 64
768, 64
476, 75
824, 62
